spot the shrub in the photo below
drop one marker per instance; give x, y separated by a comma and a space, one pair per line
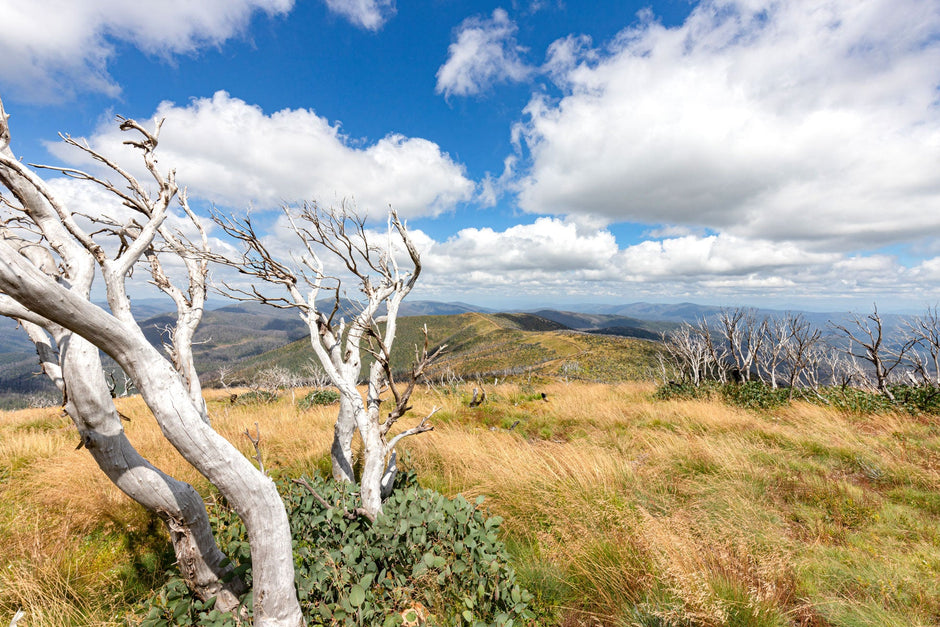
917, 398
754, 395
680, 391
855, 401
749, 395
318, 397
426, 558
256, 397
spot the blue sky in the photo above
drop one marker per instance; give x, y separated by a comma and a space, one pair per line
544, 152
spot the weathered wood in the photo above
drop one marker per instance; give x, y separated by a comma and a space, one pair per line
181, 416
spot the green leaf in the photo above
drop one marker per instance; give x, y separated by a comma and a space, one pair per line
356, 595
467, 616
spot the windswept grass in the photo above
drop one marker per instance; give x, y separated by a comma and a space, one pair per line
620, 509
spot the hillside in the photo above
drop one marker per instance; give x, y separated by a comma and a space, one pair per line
480, 344
245, 338
609, 324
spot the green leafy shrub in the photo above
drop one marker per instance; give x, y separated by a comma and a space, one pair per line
426, 557
754, 395
855, 401
256, 397
912, 399
175, 605
749, 395
318, 397
917, 398
673, 391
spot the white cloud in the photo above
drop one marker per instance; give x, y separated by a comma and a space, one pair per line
232, 153
52, 49
554, 261
368, 14
548, 246
564, 55
559, 258
485, 52
784, 121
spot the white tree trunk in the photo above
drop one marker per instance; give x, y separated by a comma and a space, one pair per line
253, 495
175, 502
343, 431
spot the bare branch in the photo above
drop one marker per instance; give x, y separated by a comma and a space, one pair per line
256, 443
422, 427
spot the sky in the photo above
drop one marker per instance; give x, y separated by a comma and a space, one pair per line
775, 153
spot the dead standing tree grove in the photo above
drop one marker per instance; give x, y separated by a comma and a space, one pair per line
339, 344
868, 334
38, 229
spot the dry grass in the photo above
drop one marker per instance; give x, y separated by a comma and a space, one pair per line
620, 510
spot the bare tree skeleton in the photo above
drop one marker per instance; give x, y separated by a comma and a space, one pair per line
925, 331
868, 334
46, 301
75, 368
337, 344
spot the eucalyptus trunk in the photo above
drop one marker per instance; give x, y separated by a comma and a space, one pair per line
176, 503
253, 495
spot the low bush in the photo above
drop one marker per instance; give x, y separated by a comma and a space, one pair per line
754, 395
427, 559
919, 399
256, 397
682, 391
318, 397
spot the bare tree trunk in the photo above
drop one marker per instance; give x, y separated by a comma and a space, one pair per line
253, 495
181, 419
338, 345
343, 431
883, 359
177, 503
76, 370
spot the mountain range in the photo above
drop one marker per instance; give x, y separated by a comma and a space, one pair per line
241, 339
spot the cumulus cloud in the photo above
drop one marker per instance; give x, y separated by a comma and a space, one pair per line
368, 14
485, 53
53, 49
232, 153
554, 259
795, 121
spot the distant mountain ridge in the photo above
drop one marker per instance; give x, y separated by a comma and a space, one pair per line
234, 335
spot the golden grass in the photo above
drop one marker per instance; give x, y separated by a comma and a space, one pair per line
620, 509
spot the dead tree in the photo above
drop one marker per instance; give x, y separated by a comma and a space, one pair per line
743, 336
772, 356
868, 334
339, 344
316, 375
31, 291
799, 350
925, 332
688, 353
717, 351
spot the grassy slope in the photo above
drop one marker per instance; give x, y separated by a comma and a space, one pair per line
486, 344
619, 508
